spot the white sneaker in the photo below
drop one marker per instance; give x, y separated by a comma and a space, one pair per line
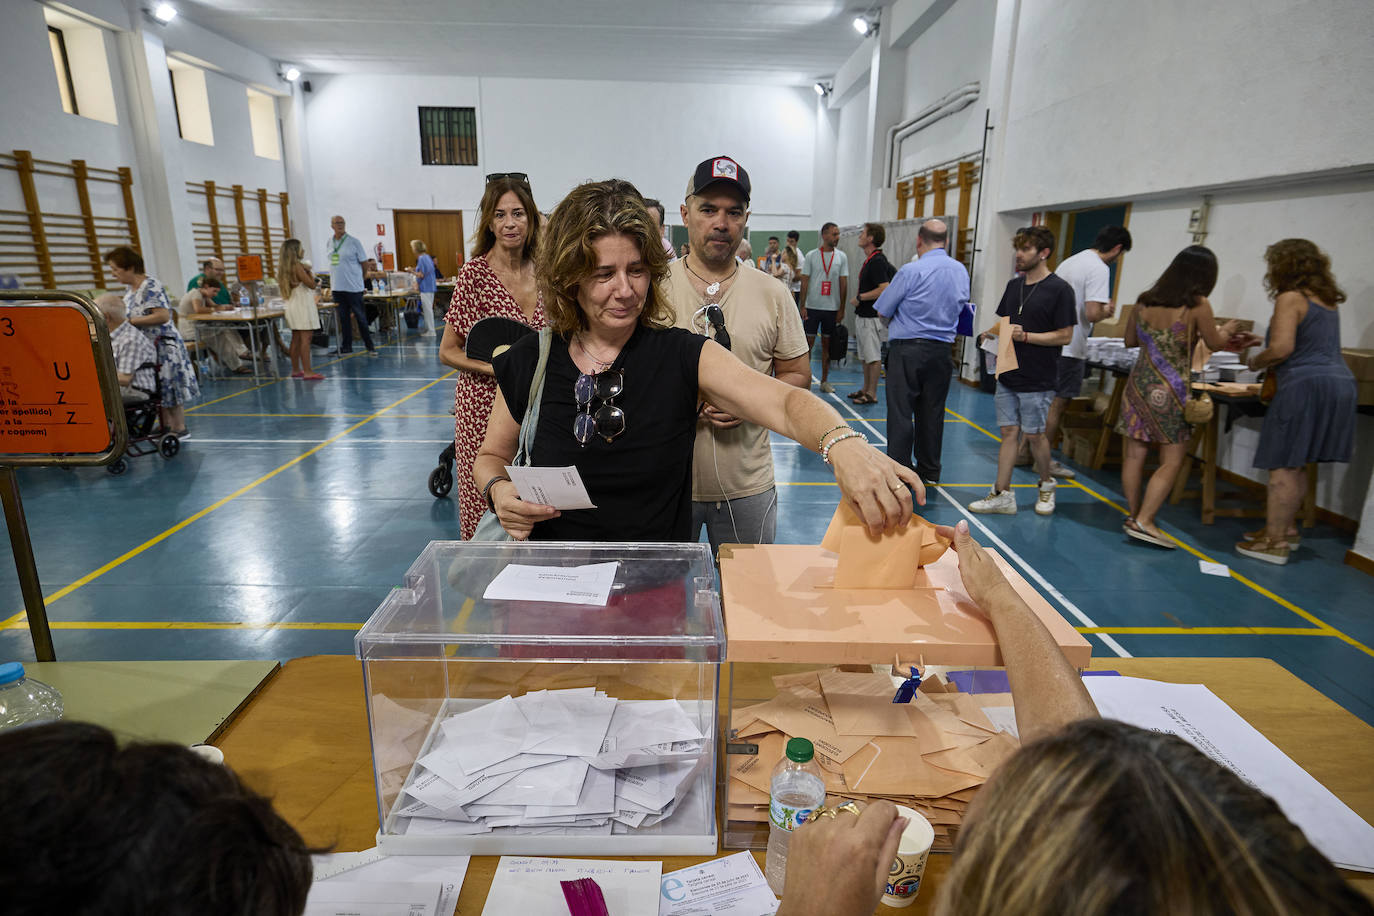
995, 503
1044, 505
426, 333
827, 388
1059, 470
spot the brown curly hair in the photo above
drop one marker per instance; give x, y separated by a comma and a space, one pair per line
566, 257
1300, 266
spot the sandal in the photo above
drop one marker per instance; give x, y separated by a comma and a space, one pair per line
865, 399
1275, 552
313, 377
298, 375
1133, 529
855, 395
1294, 539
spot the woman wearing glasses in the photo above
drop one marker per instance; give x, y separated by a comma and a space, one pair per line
622, 389
498, 280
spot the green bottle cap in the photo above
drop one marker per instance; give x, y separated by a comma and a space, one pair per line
800, 750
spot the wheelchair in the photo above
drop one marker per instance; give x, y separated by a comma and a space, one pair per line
143, 417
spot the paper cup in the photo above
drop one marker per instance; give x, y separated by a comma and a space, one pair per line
208, 752
904, 877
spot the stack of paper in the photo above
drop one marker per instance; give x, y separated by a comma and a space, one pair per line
554, 761
931, 754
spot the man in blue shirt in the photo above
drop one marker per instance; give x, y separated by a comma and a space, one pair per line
346, 259
922, 306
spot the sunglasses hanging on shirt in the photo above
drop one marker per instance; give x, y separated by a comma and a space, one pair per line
608, 421
711, 314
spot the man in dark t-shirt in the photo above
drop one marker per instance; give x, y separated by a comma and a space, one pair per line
874, 276
1041, 313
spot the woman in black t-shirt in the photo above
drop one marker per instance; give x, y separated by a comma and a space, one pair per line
622, 390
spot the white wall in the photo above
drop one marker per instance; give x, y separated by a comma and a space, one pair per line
955, 50
363, 136
1120, 100
851, 168
231, 159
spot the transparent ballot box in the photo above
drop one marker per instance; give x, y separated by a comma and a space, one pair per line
526, 723
811, 659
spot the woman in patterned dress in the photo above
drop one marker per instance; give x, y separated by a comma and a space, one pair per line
498, 280
1164, 322
151, 311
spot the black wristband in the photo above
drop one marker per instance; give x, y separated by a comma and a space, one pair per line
486, 491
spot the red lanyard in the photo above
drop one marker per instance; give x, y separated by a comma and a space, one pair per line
825, 266
869, 258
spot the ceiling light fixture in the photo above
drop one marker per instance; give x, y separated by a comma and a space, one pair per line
164, 13
291, 74
823, 89
867, 23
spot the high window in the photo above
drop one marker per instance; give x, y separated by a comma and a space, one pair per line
448, 136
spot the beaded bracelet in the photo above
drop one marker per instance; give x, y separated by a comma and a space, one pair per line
852, 434
820, 443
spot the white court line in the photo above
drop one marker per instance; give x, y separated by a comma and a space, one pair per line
1006, 551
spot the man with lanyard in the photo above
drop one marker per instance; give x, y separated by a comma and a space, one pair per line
922, 306
824, 291
753, 314
1042, 312
212, 268
346, 259
874, 276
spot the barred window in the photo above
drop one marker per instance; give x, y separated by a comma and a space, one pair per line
448, 136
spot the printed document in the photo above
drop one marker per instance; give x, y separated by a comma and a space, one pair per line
561, 488
733, 885
589, 584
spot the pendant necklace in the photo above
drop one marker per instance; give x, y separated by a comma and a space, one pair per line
712, 286
601, 364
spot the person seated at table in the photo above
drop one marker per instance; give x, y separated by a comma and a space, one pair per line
1312, 415
623, 389
132, 352
1091, 817
222, 342
90, 827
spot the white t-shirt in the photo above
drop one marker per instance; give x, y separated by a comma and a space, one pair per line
1091, 282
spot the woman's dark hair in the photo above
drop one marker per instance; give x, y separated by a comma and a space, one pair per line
125, 258
90, 828
485, 240
1189, 278
1106, 819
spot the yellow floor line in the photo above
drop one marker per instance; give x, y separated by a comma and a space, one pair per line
974, 425
20, 618
275, 381
1327, 628
1208, 631
193, 625
1323, 628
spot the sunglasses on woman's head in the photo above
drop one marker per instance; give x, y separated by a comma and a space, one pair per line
521, 177
609, 420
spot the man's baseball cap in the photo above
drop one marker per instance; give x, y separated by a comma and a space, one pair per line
719, 169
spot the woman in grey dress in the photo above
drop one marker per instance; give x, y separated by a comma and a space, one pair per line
1312, 415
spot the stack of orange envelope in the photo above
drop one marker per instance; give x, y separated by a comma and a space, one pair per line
931, 754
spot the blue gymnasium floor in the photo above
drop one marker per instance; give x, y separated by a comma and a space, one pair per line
297, 506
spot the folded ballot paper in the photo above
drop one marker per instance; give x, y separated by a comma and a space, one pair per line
554, 761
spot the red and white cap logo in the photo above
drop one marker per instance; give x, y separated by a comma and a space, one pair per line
725, 168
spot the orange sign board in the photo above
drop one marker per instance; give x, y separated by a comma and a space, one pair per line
388, 261
249, 267
50, 396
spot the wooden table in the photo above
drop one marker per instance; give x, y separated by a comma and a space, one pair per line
253, 319
392, 308
1237, 404
304, 742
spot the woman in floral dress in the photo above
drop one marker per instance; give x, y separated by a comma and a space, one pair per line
151, 311
1166, 319
498, 280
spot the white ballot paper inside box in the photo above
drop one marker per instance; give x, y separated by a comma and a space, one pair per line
1199, 717
590, 584
561, 488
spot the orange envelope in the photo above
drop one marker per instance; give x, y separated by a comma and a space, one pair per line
1006, 352
890, 560
894, 766
802, 713
861, 704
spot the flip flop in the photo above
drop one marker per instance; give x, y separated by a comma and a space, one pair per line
1133, 530
855, 395
866, 399
313, 377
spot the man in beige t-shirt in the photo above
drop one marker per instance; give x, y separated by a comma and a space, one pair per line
732, 467
219, 341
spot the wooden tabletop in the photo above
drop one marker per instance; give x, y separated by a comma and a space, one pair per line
304, 742
262, 314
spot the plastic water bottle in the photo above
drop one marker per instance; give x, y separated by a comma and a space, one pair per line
243, 297
795, 791
24, 701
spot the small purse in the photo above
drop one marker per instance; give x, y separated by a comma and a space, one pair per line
1270, 387
489, 526
1197, 408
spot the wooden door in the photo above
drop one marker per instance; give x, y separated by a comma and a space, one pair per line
440, 230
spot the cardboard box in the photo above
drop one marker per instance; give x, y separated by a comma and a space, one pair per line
1361, 363
1114, 327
